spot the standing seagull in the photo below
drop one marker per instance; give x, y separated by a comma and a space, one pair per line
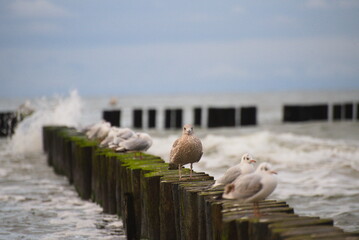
186, 149
253, 187
244, 167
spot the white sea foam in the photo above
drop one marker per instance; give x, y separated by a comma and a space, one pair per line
55, 111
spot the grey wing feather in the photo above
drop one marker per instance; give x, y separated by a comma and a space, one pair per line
173, 149
248, 185
230, 175
135, 144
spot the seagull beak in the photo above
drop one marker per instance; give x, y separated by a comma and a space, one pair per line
252, 161
273, 172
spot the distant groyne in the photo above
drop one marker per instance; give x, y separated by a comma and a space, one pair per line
8, 122
232, 116
154, 204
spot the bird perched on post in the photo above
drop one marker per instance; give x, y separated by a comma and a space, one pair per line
186, 149
139, 142
98, 131
244, 167
252, 187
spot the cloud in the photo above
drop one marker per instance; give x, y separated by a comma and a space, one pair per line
197, 18
317, 4
243, 64
37, 9
224, 71
331, 4
46, 28
238, 9
283, 19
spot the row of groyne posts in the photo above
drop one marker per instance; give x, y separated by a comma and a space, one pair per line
211, 117
214, 117
155, 204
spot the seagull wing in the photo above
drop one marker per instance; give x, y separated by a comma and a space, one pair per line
125, 133
135, 144
174, 149
230, 175
248, 185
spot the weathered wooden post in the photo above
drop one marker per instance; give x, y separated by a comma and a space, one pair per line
203, 222
197, 176
103, 182
84, 151
133, 189
150, 199
189, 207
111, 183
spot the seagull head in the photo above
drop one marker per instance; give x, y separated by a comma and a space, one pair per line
188, 129
265, 168
247, 158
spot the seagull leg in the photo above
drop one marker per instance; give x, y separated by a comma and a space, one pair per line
256, 209
179, 171
190, 175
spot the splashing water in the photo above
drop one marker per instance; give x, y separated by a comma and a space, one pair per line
56, 111
35, 203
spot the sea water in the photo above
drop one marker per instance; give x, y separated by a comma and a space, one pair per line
317, 163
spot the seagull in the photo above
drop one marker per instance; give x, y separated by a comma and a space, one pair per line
139, 142
186, 149
99, 130
244, 167
117, 135
252, 187
110, 136
103, 131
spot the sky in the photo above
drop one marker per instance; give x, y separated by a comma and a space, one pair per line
166, 47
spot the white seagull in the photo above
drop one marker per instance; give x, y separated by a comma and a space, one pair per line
139, 142
252, 187
116, 136
99, 130
244, 167
110, 136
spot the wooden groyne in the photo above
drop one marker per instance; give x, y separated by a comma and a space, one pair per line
154, 204
8, 122
231, 116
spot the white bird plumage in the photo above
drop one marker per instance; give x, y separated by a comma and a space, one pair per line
252, 187
116, 136
138, 142
98, 131
244, 167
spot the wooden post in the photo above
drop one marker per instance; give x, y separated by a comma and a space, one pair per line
204, 223
150, 200
176, 197
111, 183
189, 207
